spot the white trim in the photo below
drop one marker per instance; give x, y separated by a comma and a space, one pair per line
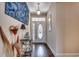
66, 54
59, 55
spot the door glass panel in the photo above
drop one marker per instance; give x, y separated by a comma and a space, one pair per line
40, 31
33, 34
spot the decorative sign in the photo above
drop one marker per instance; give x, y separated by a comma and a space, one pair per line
18, 10
50, 23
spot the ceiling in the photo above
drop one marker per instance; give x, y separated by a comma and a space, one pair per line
44, 6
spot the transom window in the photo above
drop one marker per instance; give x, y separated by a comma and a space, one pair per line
38, 19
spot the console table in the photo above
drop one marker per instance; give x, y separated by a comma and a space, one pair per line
26, 47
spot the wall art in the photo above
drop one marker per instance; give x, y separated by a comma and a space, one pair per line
18, 10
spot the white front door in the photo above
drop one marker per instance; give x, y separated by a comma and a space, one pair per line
38, 29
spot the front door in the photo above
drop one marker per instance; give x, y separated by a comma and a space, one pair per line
38, 29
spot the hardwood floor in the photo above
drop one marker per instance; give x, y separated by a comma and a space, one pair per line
40, 50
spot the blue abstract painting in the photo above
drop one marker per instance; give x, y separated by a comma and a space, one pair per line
18, 10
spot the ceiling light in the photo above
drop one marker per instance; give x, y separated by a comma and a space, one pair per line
38, 11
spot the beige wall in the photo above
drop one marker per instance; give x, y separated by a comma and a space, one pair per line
71, 41
68, 16
64, 39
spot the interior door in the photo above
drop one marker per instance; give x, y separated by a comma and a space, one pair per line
38, 29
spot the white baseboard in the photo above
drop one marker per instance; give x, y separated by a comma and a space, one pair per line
71, 54
54, 52
67, 54
63, 54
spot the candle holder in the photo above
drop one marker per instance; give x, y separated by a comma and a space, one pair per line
23, 30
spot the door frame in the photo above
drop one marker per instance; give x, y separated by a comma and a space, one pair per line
40, 16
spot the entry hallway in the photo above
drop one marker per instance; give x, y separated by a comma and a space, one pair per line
39, 29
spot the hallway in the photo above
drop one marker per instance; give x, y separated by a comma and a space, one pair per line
53, 23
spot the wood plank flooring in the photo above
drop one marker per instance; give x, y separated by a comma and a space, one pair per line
40, 50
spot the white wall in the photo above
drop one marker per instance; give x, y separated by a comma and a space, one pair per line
56, 36
51, 35
6, 21
60, 28
2, 51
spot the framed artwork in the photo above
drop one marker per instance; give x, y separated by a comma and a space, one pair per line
18, 10
50, 23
